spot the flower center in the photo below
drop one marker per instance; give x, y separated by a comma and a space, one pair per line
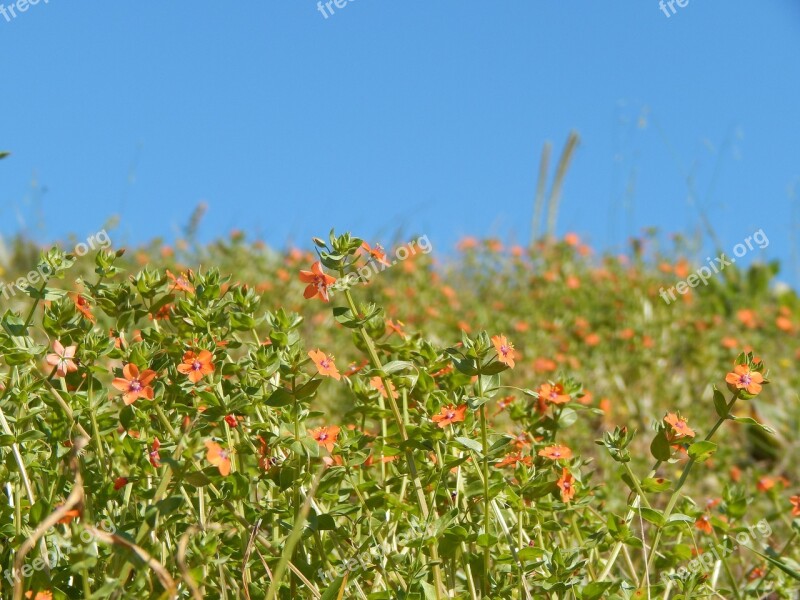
196, 365
450, 414
135, 386
325, 363
745, 379
323, 437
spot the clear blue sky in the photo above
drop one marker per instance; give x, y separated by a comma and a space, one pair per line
425, 115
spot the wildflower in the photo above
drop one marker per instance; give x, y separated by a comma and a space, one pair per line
450, 414
377, 253
377, 383
703, 523
766, 483
521, 441
69, 516
325, 436
263, 454
396, 327
512, 459
180, 283
680, 427
219, 457
554, 394
197, 366
742, 378
155, 458
556, 452
756, 573
62, 359
325, 364
83, 307
120, 482
795, 500
355, 368
567, 485
46, 595
318, 282
133, 384
505, 350
231, 420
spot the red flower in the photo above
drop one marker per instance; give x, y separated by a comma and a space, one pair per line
325, 436
556, 452
180, 283
449, 415
377, 253
155, 458
133, 384
197, 366
505, 350
82, 304
62, 359
679, 425
567, 485
795, 500
219, 457
704, 524
512, 459
325, 364
231, 420
318, 282
120, 482
377, 383
743, 378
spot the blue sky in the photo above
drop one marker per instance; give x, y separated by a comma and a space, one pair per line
424, 116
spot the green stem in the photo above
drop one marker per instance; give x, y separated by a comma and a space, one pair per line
676, 494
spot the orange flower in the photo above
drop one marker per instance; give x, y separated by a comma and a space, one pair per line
744, 379
505, 350
512, 459
197, 366
377, 383
680, 427
396, 327
82, 304
318, 282
766, 483
120, 482
704, 524
62, 359
325, 436
46, 595
554, 394
180, 283
450, 414
377, 253
795, 500
219, 457
325, 364
133, 384
69, 516
567, 485
556, 452
155, 458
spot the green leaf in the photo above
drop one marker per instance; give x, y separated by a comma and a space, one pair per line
749, 421
333, 590
653, 516
720, 404
471, 444
596, 590
279, 398
702, 450
660, 448
4, 154
656, 484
